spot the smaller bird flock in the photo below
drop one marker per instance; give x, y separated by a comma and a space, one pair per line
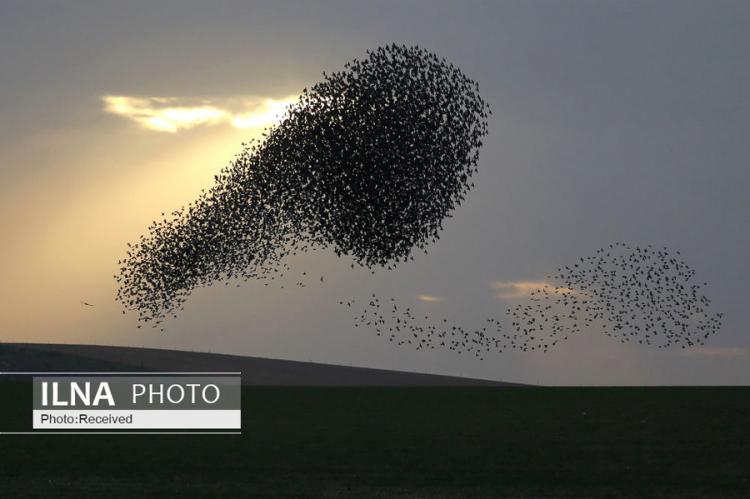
642, 295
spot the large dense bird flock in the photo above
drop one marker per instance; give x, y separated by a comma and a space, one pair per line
643, 295
369, 162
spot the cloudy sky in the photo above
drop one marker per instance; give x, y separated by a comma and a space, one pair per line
612, 121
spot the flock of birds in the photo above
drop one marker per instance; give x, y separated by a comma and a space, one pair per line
643, 295
369, 162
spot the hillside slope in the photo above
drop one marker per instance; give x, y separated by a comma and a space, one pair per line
255, 370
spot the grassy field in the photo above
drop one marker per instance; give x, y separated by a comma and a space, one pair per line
408, 442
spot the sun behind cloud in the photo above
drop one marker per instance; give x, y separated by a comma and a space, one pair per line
269, 111
172, 114
510, 290
430, 298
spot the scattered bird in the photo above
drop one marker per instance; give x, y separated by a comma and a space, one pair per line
86, 304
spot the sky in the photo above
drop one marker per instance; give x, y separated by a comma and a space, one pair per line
613, 121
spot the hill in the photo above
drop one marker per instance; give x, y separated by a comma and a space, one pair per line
255, 370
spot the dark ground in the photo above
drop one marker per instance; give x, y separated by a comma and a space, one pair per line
407, 442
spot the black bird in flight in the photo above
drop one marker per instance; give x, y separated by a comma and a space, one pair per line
631, 293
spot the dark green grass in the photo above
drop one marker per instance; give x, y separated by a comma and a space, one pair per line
408, 442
